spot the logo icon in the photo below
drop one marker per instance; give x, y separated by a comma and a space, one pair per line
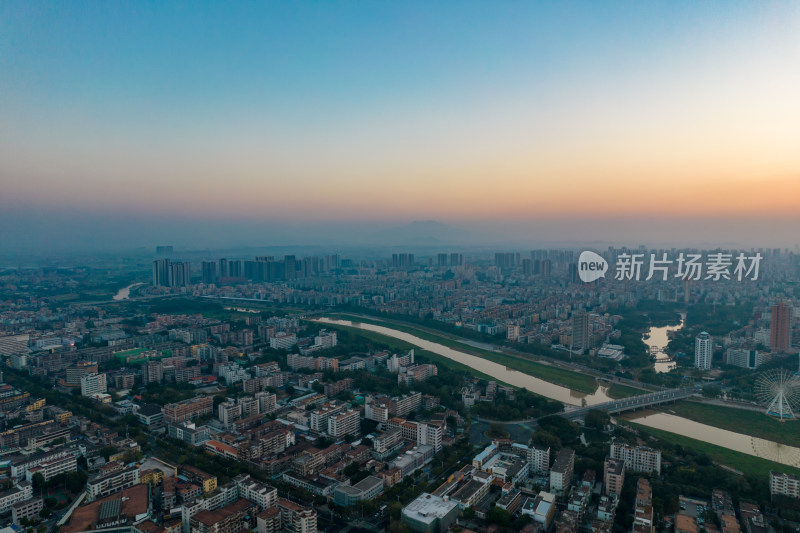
591, 266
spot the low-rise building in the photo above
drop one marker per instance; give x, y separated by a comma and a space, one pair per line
104, 485
52, 468
21, 492
207, 481
542, 508
28, 509
231, 518
20, 464
429, 514
150, 414
189, 433
366, 489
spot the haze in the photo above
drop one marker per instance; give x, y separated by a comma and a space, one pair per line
132, 123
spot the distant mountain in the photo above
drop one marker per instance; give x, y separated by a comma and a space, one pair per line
421, 233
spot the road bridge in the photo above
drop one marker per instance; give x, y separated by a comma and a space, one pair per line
634, 402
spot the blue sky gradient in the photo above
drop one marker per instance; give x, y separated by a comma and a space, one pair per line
467, 111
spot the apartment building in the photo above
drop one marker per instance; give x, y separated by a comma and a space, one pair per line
637, 458
111, 483
297, 519
782, 484
613, 476
347, 423
23, 491
539, 459
188, 409
561, 473
53, 467
319, 417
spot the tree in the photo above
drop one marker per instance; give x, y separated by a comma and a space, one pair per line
218, 400
107, 451
498, 516
38, 481
546, 438
596, 418
75, 481
395, 508
497, 430
565, 430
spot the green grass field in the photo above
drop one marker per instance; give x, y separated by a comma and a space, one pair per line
617, 391
573, 380
740, 421
740, 461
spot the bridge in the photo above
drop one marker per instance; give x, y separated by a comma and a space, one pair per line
634, 402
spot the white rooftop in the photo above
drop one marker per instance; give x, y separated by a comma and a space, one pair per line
427, 508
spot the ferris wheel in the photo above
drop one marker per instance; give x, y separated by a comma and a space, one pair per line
779, 391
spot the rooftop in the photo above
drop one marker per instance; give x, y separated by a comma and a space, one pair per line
427, 508
134, 502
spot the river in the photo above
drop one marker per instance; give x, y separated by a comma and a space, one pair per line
125, 292
780, 453
656, 340
498, 371
674, 424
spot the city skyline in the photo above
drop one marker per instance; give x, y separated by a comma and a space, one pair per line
518, 122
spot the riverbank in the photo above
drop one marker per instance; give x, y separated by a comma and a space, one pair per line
756, 424
618, 391
403, 346
557, 376
736, 442
747, 464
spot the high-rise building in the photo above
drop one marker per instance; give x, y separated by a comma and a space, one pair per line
209, 272
581, 334
402, 260
290, 267
780, 329
456, 259
546, 268
161, 273
235, 268
573, 273
506, 259
181, 274
527, 267
703, 351
223, 268
169, 274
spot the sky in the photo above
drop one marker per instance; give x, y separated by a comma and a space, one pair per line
144, 121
